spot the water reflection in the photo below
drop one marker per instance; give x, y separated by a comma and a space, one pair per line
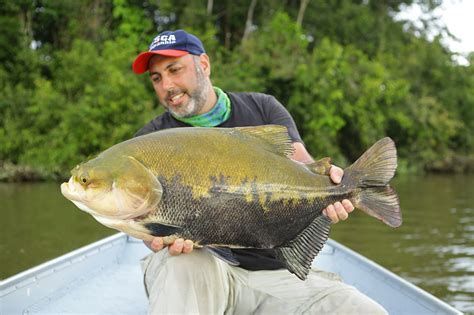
433, 248
38, 224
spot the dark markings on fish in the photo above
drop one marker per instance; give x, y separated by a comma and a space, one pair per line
260, 225
297, 229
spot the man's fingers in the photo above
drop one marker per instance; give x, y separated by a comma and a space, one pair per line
336, 174
157, 244
330, 212
187, 247
177, 247
340, 211
348, 205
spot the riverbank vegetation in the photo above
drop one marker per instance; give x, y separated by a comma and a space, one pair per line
348, 71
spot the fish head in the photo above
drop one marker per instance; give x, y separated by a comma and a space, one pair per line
120, 188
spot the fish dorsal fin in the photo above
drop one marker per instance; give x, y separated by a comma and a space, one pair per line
275, 136
298, 254
321, 166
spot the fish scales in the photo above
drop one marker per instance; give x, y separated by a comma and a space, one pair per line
212, 220
250, 202
229, 188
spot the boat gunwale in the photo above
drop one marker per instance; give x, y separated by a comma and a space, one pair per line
49, 267
430, 298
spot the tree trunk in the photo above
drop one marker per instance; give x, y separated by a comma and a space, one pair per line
210, 5
303, 5
248, 23
227, 30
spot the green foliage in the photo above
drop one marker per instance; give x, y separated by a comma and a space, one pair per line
266, 59
93, 102
280, 40
349, 74
317, 98
132, 21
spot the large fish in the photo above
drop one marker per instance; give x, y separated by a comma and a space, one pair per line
229, 188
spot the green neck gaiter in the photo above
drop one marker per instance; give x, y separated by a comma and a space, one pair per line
216, 116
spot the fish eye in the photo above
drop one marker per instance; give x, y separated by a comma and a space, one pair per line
84, 179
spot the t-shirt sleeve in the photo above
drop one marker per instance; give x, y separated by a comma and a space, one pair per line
276, 113
154, 125
146, 129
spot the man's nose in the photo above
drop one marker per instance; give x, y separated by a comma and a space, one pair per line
166, 83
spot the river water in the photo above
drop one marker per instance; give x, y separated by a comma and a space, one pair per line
434, 248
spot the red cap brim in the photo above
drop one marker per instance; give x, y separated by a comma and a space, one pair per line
140, 65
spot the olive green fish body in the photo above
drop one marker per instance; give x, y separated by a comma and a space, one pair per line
220, 192
230, 188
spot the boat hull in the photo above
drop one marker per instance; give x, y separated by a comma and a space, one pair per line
105, 277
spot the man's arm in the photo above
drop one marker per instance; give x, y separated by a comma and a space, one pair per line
339, 210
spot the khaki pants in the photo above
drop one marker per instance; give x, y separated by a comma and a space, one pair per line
199, 283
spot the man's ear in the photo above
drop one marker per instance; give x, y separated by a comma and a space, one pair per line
205, 64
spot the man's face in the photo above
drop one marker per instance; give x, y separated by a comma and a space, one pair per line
180, 83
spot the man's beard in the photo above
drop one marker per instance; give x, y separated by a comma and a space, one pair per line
196, 99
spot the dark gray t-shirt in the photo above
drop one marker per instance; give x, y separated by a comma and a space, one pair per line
247, 109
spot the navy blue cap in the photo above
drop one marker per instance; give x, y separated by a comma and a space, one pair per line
169, 43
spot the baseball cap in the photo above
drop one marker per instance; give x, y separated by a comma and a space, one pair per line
169, 43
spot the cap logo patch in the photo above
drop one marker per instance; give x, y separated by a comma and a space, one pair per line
163, 40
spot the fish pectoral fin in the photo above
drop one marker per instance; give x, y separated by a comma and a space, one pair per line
160, 229
299, 253
223, 253
321, 166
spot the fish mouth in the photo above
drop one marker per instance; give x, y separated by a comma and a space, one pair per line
68, 190
73, 190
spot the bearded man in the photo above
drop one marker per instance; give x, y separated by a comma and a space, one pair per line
198, 282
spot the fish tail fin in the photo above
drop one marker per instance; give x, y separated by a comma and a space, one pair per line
381, 203
372, 173
298, 254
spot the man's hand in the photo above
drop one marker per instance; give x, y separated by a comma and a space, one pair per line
178, 247
339, 210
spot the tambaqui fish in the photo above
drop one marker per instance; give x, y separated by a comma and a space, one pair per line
229, 188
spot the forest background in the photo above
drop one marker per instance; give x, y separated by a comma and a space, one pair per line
349, 72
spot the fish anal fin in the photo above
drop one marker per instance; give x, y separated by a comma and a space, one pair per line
299, 253
321, 166
223, 253
274, 136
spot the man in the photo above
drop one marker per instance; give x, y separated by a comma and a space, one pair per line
198, 282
